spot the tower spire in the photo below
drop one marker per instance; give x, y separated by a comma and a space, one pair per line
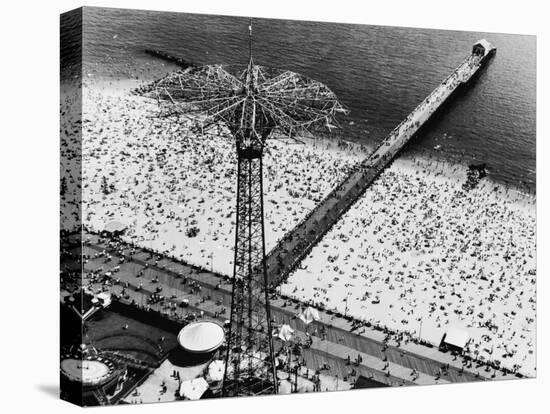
250, 68
250, 40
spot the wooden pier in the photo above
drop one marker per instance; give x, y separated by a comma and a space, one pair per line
297, 244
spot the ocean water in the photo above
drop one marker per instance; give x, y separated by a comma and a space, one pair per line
379, 73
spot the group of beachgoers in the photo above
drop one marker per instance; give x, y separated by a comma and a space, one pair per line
174, 189
419, 254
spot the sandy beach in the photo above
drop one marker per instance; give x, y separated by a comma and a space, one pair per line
419, 254
166, 183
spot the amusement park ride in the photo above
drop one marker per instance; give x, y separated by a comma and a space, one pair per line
255, 104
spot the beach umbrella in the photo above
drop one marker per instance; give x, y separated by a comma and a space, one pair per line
285, 387
285, 333
193, 389
309, 315
216, 370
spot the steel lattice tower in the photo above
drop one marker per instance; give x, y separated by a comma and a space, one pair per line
249, 361
250, 365
254, 104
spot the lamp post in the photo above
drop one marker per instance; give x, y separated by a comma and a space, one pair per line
209, 255
296, 368
212, 261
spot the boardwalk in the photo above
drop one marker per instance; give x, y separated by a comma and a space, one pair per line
297, 244
333, 336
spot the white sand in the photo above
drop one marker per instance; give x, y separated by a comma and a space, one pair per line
70, 158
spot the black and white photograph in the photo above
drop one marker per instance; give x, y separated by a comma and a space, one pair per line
269, 206
245, 204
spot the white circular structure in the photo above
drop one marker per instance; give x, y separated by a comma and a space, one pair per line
201, 337
86, 372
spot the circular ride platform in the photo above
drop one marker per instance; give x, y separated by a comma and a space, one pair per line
88, 372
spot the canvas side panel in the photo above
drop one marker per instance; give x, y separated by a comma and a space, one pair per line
70, 193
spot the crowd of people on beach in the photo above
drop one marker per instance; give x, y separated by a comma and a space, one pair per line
175, 189
419, 253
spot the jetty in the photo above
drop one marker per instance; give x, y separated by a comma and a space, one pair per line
297, 244
169, 58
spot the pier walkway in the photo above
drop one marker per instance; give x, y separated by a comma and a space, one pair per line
297, 244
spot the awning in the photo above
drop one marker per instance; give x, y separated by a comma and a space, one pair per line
456, 337
115, 226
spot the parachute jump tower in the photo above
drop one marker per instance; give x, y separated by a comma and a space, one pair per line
255, 103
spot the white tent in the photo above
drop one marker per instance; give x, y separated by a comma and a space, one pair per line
201, 337
215, 370
193, 389
285, 333
309, 315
